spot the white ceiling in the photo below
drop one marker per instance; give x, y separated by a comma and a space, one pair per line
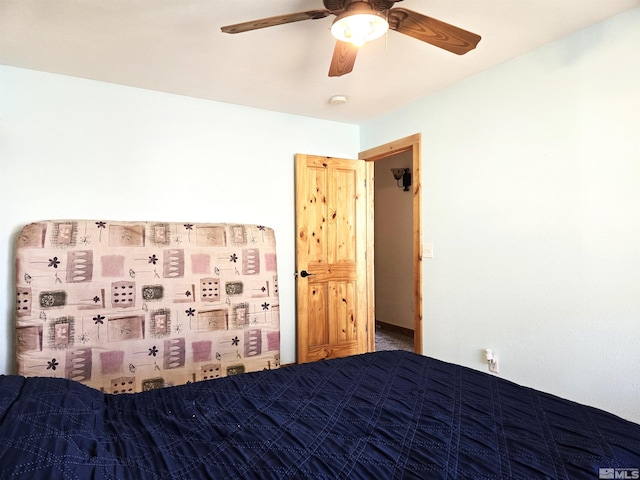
176, 46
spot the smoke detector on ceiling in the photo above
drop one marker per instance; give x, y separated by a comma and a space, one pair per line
338, 99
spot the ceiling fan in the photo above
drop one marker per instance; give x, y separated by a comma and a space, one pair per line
359, 21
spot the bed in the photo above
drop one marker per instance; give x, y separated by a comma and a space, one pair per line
383, 415
150, 350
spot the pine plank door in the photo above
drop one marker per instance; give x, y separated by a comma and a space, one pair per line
332, 276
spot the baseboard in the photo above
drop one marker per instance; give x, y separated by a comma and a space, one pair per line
394, 328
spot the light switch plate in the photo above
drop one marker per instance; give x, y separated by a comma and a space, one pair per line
427, 250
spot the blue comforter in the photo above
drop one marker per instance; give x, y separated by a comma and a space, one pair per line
384, 415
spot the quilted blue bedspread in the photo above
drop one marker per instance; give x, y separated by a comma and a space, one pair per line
384, 415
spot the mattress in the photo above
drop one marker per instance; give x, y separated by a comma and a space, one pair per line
130, 306
384, 415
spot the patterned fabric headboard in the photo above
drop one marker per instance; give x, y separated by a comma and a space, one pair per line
130, 306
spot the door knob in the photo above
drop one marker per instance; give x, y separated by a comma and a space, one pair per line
304, 273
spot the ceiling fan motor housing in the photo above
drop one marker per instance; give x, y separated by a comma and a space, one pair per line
336, 6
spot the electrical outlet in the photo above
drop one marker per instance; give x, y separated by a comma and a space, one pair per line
493, 365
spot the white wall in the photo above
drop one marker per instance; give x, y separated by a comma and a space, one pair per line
531, 191
72, 148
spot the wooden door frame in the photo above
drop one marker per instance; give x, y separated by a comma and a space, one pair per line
411, 143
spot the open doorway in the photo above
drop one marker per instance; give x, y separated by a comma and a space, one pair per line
393, 242
386, 155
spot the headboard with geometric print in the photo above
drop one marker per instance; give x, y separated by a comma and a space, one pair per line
130, 306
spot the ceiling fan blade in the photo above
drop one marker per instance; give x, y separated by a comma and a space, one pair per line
273, 21
430, 30
344, 56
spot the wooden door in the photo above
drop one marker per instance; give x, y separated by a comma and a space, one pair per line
332, 283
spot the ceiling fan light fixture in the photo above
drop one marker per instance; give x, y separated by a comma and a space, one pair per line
359, 25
